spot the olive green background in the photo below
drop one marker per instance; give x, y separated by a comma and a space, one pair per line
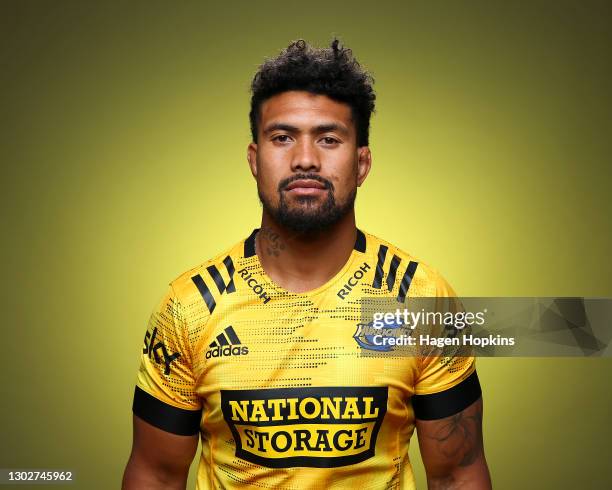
123, 148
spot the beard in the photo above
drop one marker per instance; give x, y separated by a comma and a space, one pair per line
308, 215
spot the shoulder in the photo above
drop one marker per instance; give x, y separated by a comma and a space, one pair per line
208, 279
426, 280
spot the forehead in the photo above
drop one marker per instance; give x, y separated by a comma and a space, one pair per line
304, 108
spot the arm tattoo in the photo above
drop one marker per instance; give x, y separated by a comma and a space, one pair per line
460, 436
445, 483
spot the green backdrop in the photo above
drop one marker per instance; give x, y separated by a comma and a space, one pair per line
123, 148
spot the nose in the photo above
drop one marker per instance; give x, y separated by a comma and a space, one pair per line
305, 156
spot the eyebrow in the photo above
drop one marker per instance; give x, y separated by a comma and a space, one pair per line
321, 128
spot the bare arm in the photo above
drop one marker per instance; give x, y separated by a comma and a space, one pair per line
159, 459
453, 452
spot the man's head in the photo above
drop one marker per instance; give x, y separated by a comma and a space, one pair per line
310, 116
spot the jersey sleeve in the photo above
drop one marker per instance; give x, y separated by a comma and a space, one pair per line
447, 382
165, 386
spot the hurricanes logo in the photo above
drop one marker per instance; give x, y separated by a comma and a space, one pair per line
366, 335
227, 344
318, 427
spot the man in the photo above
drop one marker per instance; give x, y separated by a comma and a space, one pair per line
256, 350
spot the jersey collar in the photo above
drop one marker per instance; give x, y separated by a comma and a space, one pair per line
249, 243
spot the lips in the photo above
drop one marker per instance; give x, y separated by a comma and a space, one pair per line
305, 184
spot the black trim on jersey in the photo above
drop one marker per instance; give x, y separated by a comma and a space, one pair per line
382, 253
406, 280
249, 243
448, 402
165, 417
205, 292
360, 241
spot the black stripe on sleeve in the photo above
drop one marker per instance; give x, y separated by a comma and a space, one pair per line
229, 265
382, 253
406, 280
205, 292
395, 262
448, 402
214, 273
165, 417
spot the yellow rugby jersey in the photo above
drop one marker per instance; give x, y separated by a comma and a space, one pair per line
276, 382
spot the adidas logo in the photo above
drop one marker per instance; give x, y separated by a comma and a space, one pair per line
227, 344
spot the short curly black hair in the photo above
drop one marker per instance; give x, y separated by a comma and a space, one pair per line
329, 71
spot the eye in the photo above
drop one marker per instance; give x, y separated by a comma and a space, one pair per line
281, 138
328, 140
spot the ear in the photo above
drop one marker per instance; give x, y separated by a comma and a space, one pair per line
364, 163
252, 158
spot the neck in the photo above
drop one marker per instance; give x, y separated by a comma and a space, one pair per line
300, 262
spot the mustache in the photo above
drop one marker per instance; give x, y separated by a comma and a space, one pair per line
285, 182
